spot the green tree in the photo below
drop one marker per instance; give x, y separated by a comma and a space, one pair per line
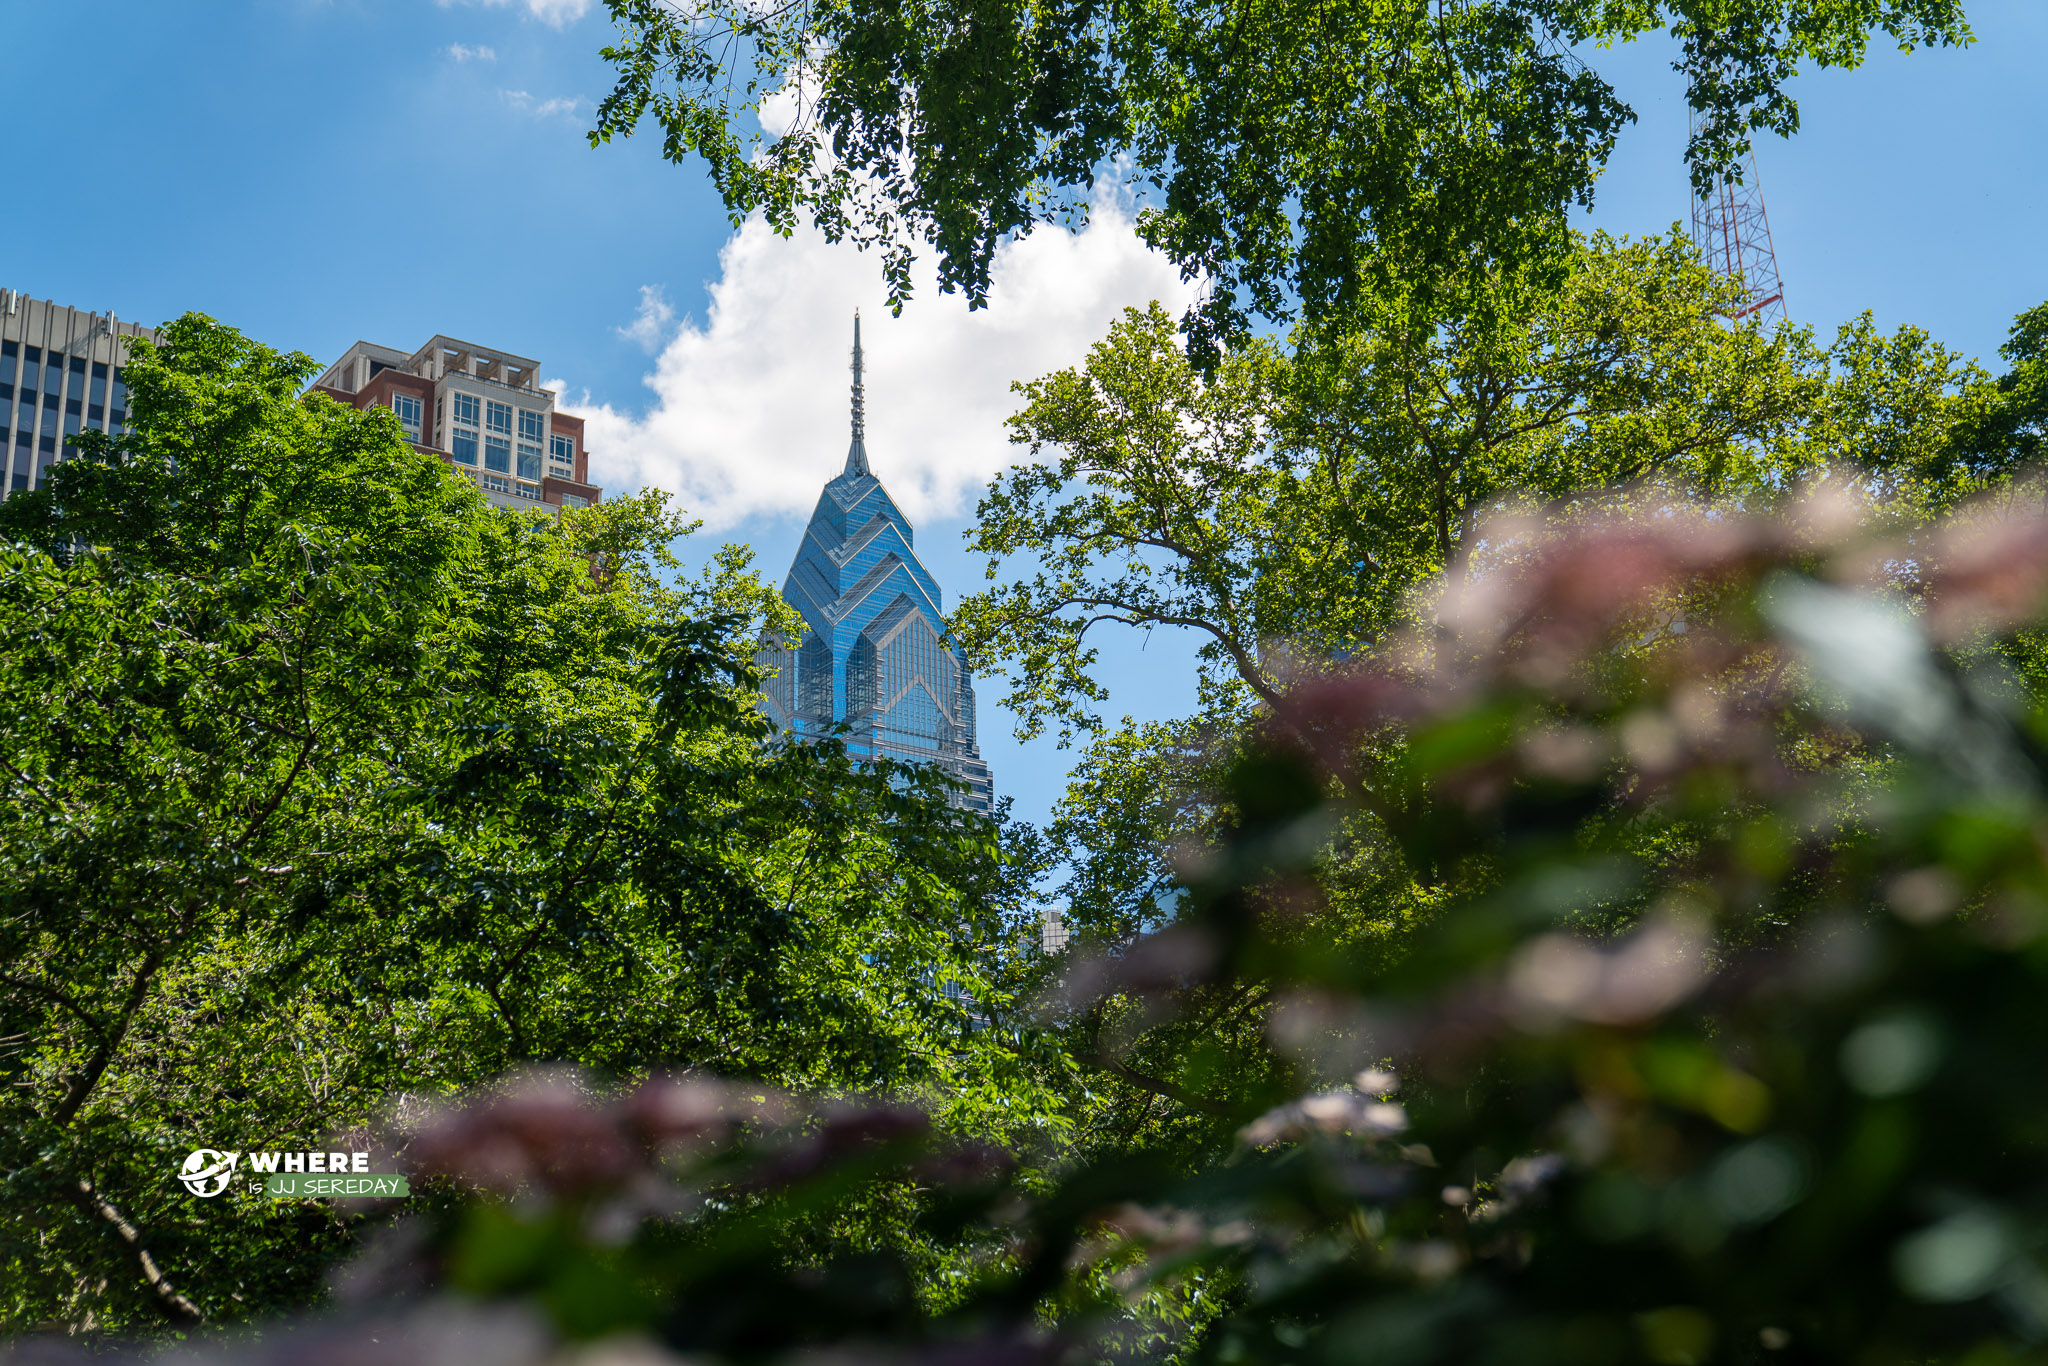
1288, 507
2011, 431
1775, 1100
332, 790
1305, 505
1292, 155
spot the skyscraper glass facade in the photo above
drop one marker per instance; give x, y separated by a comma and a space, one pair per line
874, 655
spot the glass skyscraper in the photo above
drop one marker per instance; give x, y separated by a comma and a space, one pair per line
874, 655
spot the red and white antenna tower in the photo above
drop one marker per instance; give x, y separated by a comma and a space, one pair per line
1732, 231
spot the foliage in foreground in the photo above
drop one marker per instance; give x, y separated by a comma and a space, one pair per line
1729, 1056
329, 790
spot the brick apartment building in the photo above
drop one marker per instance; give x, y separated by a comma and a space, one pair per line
480, 410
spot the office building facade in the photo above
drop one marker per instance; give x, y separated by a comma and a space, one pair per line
874, 656
60, 374
480, 410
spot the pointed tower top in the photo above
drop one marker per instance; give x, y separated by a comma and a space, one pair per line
857, 454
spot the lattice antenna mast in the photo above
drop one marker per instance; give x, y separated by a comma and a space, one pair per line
1733, 232
857, 454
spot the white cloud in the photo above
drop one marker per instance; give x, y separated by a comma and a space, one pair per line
749, 411
462, 52
559, 13
556, 13
651, 323
566, 105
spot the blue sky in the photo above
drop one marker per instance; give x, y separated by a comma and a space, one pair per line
318, 172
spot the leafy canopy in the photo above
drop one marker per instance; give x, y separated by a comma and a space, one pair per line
1289, 154
1289, 507
331, 789
1776, 1099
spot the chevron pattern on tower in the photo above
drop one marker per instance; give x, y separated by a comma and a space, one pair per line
874, 656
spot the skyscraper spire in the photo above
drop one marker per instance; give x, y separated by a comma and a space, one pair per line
874, 626
857, 454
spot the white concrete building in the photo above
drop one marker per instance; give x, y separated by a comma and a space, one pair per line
60, 373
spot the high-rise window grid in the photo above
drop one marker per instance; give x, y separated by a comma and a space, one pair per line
490, 420
48, 397
462, 443
814, 679
411, 413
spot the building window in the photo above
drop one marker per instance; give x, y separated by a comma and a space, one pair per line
465, 447
529, 461
532, 426
562, 450
529, 491
500, 415
575, 500
466, 407
411, 413
492, 481
497, 455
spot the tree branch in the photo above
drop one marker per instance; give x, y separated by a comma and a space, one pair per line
110, 1041
1158, 1086
174, 1304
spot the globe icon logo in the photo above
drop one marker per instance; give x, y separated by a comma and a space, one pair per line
207, 1172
